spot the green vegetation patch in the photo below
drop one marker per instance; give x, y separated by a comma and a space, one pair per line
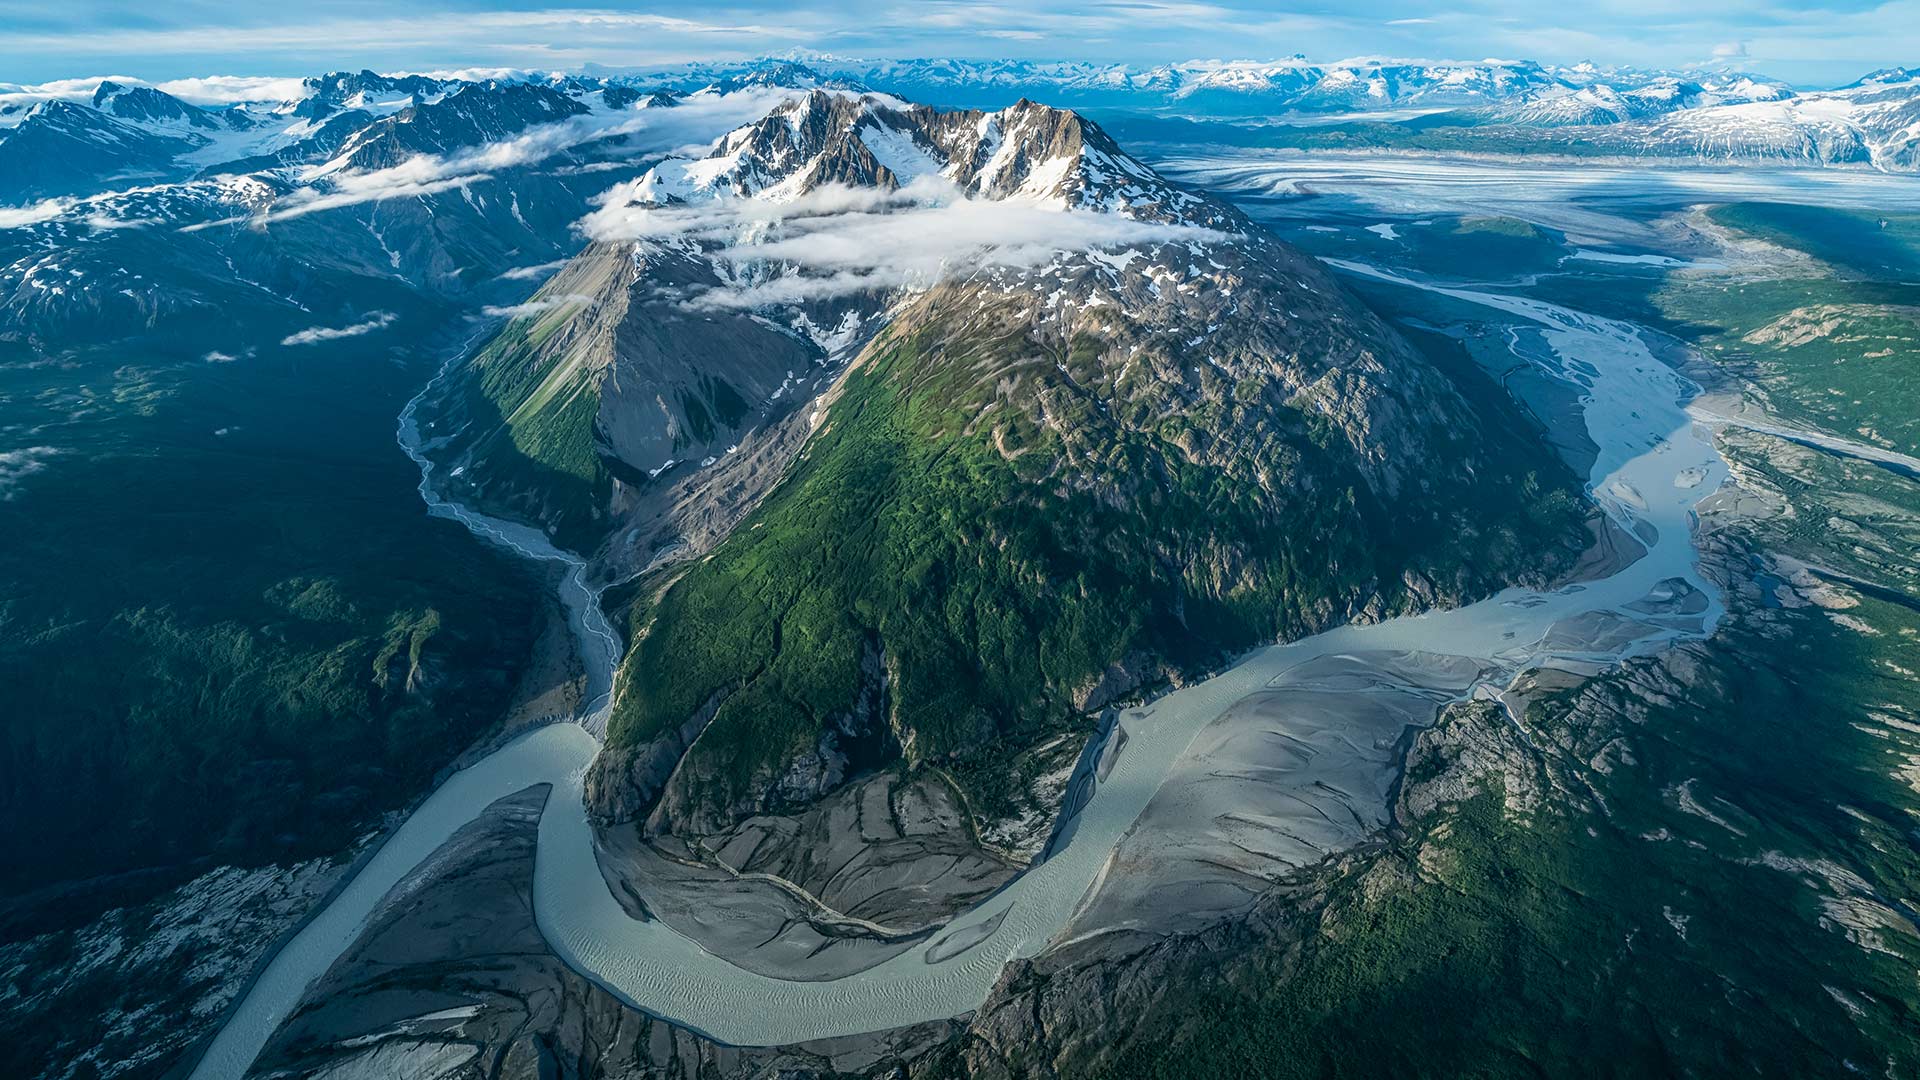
1868, 244
1482, 246
1001, 564
537, 412
228, 630
1838, 353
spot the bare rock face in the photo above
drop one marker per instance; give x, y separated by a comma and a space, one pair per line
867, 872
1119, 679
625, 361
625, 784
850, 742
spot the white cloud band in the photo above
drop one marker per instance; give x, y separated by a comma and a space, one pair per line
315, 335
839, 241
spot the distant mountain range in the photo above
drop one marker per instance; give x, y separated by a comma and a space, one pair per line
1294, 85
83, 139
1508, 106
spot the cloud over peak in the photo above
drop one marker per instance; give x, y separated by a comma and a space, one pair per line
838, 240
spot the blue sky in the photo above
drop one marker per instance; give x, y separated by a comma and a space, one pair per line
1809, 43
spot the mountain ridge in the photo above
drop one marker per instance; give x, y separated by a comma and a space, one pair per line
86, 138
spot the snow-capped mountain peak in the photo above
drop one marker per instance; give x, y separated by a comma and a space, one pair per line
1889, 76
144, 103
1027, 151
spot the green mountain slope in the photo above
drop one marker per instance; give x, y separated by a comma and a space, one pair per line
1013, 561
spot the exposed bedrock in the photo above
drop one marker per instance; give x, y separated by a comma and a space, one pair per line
865, 873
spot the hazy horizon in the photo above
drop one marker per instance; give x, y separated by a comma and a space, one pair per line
1806, 44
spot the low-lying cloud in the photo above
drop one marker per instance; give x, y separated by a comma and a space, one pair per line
528, 273
201, 90
231, 89
698, 119
535, 307
17, 465
839, 241
19, 217
379, 320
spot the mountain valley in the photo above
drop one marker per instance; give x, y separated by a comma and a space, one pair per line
954, 586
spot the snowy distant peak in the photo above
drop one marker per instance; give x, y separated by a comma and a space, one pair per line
1620, 97
82, 124
1275, 87
1360, 84
827, 139
60, 146
1279, 85
145, 103
1885, 77
627, 97
1747, 88
720, 78
1588, 73
784, 74
1595, 104
365, 89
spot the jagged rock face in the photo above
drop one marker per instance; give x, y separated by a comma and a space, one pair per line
352, 88
621, 390
1027, 151
850, 743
